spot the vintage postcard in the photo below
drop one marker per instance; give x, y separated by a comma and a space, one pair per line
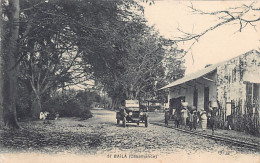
161, 81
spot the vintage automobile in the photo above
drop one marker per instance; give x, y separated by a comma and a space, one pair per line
131, 113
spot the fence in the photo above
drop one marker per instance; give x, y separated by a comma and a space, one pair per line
244, 116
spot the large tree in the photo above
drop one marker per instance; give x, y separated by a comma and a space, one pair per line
109, 40
1, 69
9, 56
131, 61
40, 25
50, 38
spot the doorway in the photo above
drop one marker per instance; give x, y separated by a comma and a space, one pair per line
175, 103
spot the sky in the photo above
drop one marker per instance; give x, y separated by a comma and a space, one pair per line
216, 46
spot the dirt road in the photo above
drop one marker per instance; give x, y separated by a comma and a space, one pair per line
101, 136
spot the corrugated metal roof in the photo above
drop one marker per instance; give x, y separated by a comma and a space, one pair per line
201, 72
192, 76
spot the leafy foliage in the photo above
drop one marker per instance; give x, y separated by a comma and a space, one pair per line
66, 42
72, 103
131, 61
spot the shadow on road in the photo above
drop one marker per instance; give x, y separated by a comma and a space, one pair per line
131, 125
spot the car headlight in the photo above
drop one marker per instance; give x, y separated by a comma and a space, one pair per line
130, 113
141, 113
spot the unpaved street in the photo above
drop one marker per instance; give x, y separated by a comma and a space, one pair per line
101, 136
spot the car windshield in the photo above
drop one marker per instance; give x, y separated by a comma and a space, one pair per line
132, 109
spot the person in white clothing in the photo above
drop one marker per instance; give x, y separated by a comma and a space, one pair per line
203, 116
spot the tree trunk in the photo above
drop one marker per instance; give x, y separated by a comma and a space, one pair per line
9, 69
137, 94
1, 72
115, 103
36, 107
131, 92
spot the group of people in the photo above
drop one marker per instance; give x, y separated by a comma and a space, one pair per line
46, 115
186, 116
189, 116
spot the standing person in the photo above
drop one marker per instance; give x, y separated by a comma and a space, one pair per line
191, 117
195, 119
203, 116
177, 118
185, 117
178, 113
166, 117
213, 111
184, 113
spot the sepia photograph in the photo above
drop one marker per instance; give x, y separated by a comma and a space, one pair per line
129, 81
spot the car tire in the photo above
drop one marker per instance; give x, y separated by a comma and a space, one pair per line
137, 123
124, 122
117, 121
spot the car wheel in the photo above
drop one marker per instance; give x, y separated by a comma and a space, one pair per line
138, 123
118, 121
124, 122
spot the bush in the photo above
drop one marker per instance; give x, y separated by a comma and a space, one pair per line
69, 109
86, 114
67, 106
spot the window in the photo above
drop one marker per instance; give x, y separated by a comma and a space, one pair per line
256, 92
234, 73
252, 92
249, 91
